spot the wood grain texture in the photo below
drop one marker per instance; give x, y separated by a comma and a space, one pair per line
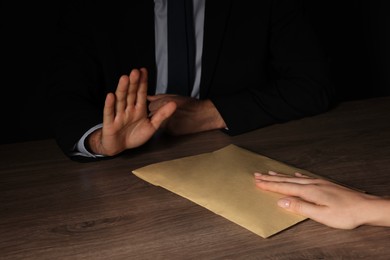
55, 208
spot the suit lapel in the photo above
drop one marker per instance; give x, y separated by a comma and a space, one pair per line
216, 15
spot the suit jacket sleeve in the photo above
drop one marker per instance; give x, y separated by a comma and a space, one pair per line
75, 95
294, 83
96, 43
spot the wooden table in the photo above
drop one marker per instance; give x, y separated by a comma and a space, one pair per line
55, 208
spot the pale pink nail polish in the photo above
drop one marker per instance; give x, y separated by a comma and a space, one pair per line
284, 203
272, 173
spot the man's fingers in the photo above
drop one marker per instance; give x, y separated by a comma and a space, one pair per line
160, 100
142, 89
159, 96
134, 79
162, 114
109, 109
121, 94
156, 105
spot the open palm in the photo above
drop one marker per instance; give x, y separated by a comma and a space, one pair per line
125, 118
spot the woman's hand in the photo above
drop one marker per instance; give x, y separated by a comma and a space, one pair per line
326, 202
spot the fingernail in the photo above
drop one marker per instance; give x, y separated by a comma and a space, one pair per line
257, 174
284, 203
272, 173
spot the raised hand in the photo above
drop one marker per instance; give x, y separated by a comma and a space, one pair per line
126, 123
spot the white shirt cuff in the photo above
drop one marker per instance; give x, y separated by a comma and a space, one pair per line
81, 150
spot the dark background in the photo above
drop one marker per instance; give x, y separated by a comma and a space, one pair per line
355, 34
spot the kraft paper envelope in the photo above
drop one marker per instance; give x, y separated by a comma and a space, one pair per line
222, 181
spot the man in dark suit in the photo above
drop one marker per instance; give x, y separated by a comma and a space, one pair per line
256, 63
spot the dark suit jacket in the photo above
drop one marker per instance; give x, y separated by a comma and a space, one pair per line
261, 63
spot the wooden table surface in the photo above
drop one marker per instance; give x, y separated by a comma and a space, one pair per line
54, 208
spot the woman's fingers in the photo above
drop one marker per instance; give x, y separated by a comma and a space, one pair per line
301, 207
276, 177
290, 189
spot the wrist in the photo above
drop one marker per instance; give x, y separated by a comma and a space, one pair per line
378, 212
93, 142
212, 118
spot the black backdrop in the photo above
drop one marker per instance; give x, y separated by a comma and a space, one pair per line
355, 34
